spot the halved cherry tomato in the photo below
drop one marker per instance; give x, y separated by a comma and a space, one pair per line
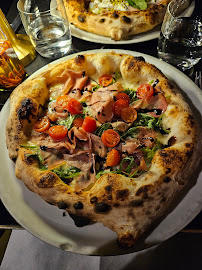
145, 91
62, 101
42, 124
74, 106
58, 132
78, 122
110, 138
118, 106
129, 114
113, 158
123, 96
89, 124
105, 80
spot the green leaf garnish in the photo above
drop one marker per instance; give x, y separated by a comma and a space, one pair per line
36, 154
100, 129
67, 172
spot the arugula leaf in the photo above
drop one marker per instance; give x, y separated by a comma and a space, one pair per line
150, 152
36, 154
131, 132
140, 4
131, 94
66, 173
69, 121
129, 167
100, 129
98, 175
95, 87
117, 74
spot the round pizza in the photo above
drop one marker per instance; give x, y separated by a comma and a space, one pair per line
117, 19
106, 137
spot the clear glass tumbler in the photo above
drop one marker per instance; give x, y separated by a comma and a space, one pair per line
46, 23
180, 41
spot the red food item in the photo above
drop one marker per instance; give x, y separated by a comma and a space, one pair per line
105, 80
110, 138
58, 132
62, 101
89, 124
123, 96
129, 114
118, 106
42, 124
145, 91
74, 106
78, 122
113, 158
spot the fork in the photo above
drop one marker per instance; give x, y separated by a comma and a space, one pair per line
198, 79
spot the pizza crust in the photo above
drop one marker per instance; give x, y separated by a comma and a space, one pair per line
115, 24
138, 201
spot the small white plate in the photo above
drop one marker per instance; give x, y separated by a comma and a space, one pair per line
152, 34
48, 223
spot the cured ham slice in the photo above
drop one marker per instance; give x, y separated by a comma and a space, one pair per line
146, 136
101, 103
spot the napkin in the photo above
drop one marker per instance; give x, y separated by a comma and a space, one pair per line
26, 252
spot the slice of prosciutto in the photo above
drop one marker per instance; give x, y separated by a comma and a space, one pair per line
101, 102
146, 136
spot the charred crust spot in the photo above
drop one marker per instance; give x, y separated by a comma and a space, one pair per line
26, 110
63, 205
126, 241
93, 199
166, 179
81, 18
102, 20
109, 197
163, 199
80, 221
187, 145
80, 59
143, 191
148, 213
122, 194
172, 141
116, 205
102, 207
136, 203
163, 154
188, 153
115, 15
29, 160
139, 58
78, 205
108, 189
191, 120
168, 170
47, 181
126, 19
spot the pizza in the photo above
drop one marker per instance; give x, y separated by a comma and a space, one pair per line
117, 19
106, 137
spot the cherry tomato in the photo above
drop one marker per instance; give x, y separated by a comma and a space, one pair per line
110, 138
129, 114
62, 101
105, 80
123, 96
113, 158
42, 124
78, 122
58, 132
74, 106
118, 106
89, 124
145, 91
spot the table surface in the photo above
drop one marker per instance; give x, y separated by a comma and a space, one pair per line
148, 47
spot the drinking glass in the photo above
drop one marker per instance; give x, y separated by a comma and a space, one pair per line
180, 40
46, 23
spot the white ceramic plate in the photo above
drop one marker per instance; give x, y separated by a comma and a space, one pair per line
152, 34
48, 223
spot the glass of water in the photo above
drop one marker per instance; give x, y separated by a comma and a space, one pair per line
180, 40
46, 23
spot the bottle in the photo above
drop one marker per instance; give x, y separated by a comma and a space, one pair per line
12, 71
